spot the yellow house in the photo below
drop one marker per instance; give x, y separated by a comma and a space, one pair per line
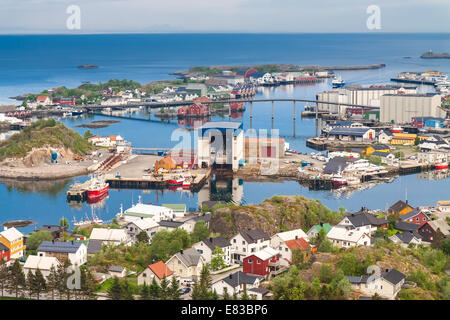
377, 148
400, 208
404, 138
13, 239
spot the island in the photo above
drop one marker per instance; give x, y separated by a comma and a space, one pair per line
87, 66
431, 55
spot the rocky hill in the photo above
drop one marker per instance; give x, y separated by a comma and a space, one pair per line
279, 213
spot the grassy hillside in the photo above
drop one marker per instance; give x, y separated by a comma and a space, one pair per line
43, 133
279, 213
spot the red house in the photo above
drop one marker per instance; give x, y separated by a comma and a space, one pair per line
416, 216
262, 262
65, 101
4, 253
198, 110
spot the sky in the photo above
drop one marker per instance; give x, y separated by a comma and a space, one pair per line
254, 16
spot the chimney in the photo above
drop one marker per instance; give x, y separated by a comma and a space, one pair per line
53, 241
230, 276
72, 242
210, 239
321, 224
181, 251
296, 237
387, 270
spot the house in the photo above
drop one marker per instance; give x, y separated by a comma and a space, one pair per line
189, 224
186, 264
141, 210
75, 252
314, 231
277, 239
288, 246
387, 158
382, 148
207, 247
351, 134
387, 284
345, 238
364, 221
407, 238
55, 230
4, 253
147, 225
431, 157
117, 271
262, 262
169, 225
400, 208
94, 246
235, 283
443, 206
403, 139
248, 241
43, 100
157, 271
384, 137
429, 229
258, 293
44, 264
108, 236
179, 209
13, 240
415, 216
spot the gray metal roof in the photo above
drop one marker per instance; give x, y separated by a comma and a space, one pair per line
252, 236
360, 219
116, 269
189, 257
358, 132
404, 226
170, 224
62, 247
94, 246
408, 236
394, 276
220, 242
237, 278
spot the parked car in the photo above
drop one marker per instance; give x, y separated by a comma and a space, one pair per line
185, 290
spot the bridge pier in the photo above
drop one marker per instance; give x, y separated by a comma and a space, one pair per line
293, 133
251, 114
272, 114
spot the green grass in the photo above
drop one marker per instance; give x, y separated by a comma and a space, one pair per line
106, 285
43, 133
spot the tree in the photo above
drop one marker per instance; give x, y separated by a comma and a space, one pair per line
126, 293
52, 281
202, 287
438, 238
36, 283
225, 295
174, 289
298, 257
35, 239
244, 295
143, 237
4, 276
201, 231
17, 278
87, 134
154, 290
87, 284
115, 291
64, 223
145, 294
326, 273
164, 292
342, 209
217, 261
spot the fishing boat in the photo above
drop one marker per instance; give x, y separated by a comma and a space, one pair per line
176, 181
338, 180
97, 188
186, 184
353, 181
337, 82
81, 222
397, 130
441, 165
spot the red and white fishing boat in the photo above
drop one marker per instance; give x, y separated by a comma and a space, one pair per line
176, 182
396, 130
186, 184
338, 180
97, 188
441, 165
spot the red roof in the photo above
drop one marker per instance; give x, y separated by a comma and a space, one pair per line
160, 269
298, 243
41, 98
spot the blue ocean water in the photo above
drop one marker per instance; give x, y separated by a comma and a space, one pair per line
34, 63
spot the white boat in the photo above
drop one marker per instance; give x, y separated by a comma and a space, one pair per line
353, 181
337, 82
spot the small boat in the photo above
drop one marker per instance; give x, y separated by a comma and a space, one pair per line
338, 180
353, 181
337, 82
186, 184
176, 182
441, 165
396, 130
97, 188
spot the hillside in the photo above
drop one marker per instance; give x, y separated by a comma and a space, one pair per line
43, 134
279, 213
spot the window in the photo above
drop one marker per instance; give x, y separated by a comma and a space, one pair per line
258, 262
243, 243
144, 275
250, 261
234, 240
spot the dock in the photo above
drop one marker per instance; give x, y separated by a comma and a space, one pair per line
77, 191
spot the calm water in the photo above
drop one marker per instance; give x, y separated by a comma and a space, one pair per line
34, 63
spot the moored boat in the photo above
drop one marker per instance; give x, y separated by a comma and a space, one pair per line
397, 130
97, 188
176, 182
441, 165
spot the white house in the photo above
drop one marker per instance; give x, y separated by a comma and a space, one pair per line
387, 284
44, 264
277, 239
384, 137
248, 242
113, 237
144, 224
362, 221
343, 237
141, 210
75, 252
179, 209
207, 247
156, 271
235, 282
117, 271
186, 264
407, 238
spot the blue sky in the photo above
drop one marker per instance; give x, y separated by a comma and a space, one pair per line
111, 16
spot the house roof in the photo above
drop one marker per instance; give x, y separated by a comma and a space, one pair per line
408, 236
398, 206
220, 242
411, 214
293, 234
205, 217
357, 132
380, 147
3, 247
146, 209
52, 228
175, 206
381, 154
94, 246
170, 224
337, 164
12, 234
59, 246
298, 243
189, 257
265, 254
252, 236
108, 234
326, 226
41, 98
116, 269
394, 276
404, 226
160, 269
341, 233
238, 278
144, 223
440, 224
362, 218
43, 263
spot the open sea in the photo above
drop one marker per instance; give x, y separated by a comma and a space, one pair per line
30, 64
